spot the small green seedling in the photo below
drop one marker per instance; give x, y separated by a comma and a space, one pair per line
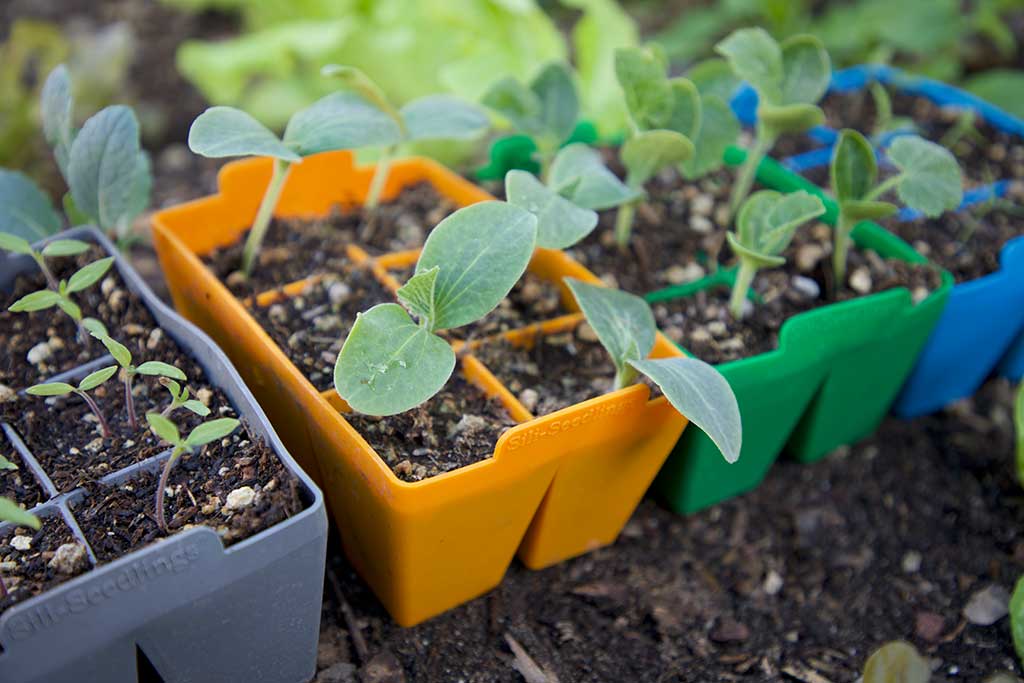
434, 117
928, 180
765, 226
342, 120
545, 110
789, 78
203, 434
561, 223
123, 356
90, 382
626, 328
11, 512
82, 279
897, 662
180, 399
672, 125
56, 248
391, 363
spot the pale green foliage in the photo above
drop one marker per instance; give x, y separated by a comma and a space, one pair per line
180, 398
88, 383
61, 297
625, 326
930, 178
471, 260
24, 210
897, 662
560, 222
579, 174
12, 512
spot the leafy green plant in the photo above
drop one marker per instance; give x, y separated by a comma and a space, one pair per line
12, 512
180, 399
546, 109
897, 662
205, 433
625, 326
54, 249
789, 78
391, 363
928, 179
90, 382
432, 117
765, 226
123, 356
561, 223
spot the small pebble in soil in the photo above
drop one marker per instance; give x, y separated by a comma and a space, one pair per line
39, 353
6, 393
860, 281
21, 543
911, 563
240, 498
772, 582
988, 605
69, 558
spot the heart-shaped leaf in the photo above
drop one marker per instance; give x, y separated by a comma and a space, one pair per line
756, 58
340, 121
718, 130
389, 364
481, 250
560, 223
768, 220
649, 151
649, 96
443, 117
854, 169
228, 132
931, 179
702, 395
623, 322
581, 168
24, 210
806, 70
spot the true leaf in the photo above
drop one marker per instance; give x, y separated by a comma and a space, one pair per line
515, 102
389, 364
197, 407
768, 220
719, 128
442, 117
50, 389
11, 512
806, 70
56, 106
157, 368
593, 185
559, 101
357, 81
229, 132
649, 96
340, 121
95, 328
560, 222
481, 250
854, 169
59, 248
94, 379
418, 294
164, 428
36, 301
89, 274
211, 431
687, 113
702, 395
757, 59
931, 180
647, 152
24, 210
118, 350
70, 307
623, 322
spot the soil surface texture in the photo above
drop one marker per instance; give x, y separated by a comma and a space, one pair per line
32, 562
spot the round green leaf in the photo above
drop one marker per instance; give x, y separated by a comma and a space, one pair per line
482, 250
156, 368
50, 389
164, 428
648, 152
714, 77
389, 364
649, 97
443, 117
94, 379
806, 70
341, 120
229, 132
560, 223
25, 211
623, 322
854, 169
11, 512
931, 179
89, 275
59, 248
36, 301
702, 395
516, 103
756, 58
767, 220
211, 431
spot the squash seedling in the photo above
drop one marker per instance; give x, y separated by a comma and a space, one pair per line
341, 120
90, 382
180, 399
123, 356
790, 78
765, 226
928, 180
625, 326
433, 117
391, 363
205, 433
545, 110
11, 512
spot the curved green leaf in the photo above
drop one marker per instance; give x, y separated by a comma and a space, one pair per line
197, 407
36, 301
482, 250
759, 259
622, 321
756, 58
118, 350
14, 244
58, 248
155, 368
11, 512
854, 169
648, 152
931, 182
24, 210
806, 70
340, 121
714, 77
228, 132
56, 105
89, 275
649, 97
516, 103
211, 431
95, 328
50, 389
6, 464
560, 223
581, 168
767, 220
389, 364
687, 111
559, 101
357, 81
790, 118
702, 395
443, 117
94, 379
164, 428
718, 130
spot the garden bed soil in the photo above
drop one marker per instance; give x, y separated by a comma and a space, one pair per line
560, 370
457, 427
32, 571
237, 487
703, 325
677, 231
797, 581
967, 244
19, 485
296, 248
312, 326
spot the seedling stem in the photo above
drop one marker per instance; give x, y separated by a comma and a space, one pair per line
264, 215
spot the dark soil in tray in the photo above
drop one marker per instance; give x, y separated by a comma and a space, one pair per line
703, 325
559, 371
19, 485
237, 486
678, 228
966, 244
50, 335
457, 427
311, 327
797, 581
37, 567
294, 249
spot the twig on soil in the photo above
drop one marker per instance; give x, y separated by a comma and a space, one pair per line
804, 675
525, 665
358, 642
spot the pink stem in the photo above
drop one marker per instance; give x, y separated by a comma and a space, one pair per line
129, 401
164, 475
104, 426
